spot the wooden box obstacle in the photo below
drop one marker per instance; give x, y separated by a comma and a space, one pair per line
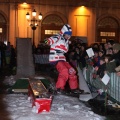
39, 96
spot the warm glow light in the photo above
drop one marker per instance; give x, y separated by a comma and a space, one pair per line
27, 16
1, 30
82, 9
24, 3
34, 13
36, 24
82, 6
81, 21
33, 22
40, 16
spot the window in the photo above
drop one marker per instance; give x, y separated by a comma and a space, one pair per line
51, 32
0, 30
110, 34
104, 40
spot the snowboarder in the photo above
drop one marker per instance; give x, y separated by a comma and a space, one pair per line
59, 44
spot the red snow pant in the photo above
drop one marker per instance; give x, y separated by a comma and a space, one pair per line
66, 72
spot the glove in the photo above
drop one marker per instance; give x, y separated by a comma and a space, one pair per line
46, 41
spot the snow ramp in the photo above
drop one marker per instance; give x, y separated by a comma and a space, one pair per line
83, 85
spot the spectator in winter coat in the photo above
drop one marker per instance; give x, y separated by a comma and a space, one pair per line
101, 53
77, 56
83, 55
101, 68
96, 59
110, 43
110, 51
72, 59
116, 55
110, 64
106, 48
117, 69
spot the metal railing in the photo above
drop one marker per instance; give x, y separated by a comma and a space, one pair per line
113, 87
41, 59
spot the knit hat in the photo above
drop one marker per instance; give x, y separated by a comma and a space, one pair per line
66, 29
116, 46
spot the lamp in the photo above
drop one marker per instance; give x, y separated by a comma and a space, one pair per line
24, 2
33, 22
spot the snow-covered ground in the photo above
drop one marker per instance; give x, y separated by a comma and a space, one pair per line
18, 107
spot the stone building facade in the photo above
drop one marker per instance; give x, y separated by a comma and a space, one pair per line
94, 20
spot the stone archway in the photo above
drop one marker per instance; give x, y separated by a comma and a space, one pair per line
51, 24
107, 28
3, 28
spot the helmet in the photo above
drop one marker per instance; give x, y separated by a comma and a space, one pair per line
66, 29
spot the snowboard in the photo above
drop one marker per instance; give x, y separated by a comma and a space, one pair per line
50, 86
69, 93
52, 90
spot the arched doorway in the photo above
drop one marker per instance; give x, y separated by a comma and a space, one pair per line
3, 29
107, 29
51, 25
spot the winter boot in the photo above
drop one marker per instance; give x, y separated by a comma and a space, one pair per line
77, 91
60, 91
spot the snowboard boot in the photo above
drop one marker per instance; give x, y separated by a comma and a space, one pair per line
77, 91
60, 91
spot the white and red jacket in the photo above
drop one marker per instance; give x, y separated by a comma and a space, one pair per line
59, 46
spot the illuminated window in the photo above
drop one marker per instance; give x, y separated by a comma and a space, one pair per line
104, 40
111, 34
51, 32
0, 30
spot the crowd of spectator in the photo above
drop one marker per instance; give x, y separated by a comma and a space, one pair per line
106, 57
41, 48
7, 57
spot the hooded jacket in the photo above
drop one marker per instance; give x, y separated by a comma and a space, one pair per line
59, 45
